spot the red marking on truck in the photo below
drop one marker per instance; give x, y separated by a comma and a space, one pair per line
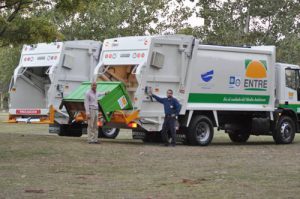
28, 111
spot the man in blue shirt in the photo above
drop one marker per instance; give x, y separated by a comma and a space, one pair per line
172, 109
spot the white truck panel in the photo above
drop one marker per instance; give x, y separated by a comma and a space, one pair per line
41, 55
219, 77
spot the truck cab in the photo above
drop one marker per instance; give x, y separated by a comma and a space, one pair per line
288, 86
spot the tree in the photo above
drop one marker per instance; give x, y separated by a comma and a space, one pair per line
9, 58
252, 22
24, 21
105, 19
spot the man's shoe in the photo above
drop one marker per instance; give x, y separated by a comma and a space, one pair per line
166, 144
94, 142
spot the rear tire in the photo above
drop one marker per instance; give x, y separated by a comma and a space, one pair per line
110, 133
238, 136
200, 131
70, 130
284, 132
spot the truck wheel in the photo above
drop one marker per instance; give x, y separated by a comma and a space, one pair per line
70, 130
284, 132
200, 131
110, 133
238, 136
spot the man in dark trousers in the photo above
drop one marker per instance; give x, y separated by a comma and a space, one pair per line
172, 109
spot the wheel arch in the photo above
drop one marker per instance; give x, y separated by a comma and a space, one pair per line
208, 114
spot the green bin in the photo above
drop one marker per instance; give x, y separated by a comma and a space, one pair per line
116, 99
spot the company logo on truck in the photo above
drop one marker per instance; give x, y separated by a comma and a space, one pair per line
122, 102
207, 76
256, 75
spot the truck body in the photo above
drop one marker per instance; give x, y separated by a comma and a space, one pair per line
237, 89
46, 73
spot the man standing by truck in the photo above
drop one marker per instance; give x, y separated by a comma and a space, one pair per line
91, 110
172, 109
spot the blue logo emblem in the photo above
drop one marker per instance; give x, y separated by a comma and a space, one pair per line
232, 80
207, 76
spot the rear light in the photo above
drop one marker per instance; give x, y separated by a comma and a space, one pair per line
132, 125
28, 58
135, 55
138, 55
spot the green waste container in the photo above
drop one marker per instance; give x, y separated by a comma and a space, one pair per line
116, 99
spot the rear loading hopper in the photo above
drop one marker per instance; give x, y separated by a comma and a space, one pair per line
114, 107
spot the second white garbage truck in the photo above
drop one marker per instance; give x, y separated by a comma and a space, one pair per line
237, 89
46, 73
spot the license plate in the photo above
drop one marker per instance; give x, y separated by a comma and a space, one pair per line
29, 111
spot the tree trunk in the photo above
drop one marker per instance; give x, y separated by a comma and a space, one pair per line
247, 22
1, 101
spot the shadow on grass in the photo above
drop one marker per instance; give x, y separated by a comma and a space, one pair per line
213, 144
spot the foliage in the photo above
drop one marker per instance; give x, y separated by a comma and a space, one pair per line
8, 57
104, 19
252, 22
23, 21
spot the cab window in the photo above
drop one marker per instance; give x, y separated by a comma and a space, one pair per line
292, 78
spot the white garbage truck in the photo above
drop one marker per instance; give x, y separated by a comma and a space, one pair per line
46, 73
240, 90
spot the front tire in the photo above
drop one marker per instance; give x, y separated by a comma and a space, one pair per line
200, 131
110, 133
284, 132
238, 136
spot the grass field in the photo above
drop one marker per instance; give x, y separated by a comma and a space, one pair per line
34, 164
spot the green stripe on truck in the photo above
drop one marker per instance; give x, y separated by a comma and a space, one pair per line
294, 107
228, 98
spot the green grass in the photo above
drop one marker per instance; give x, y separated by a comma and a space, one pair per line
31, 160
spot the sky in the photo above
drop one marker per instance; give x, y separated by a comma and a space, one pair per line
194, 21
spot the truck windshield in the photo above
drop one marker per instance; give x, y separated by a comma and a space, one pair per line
292, 78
